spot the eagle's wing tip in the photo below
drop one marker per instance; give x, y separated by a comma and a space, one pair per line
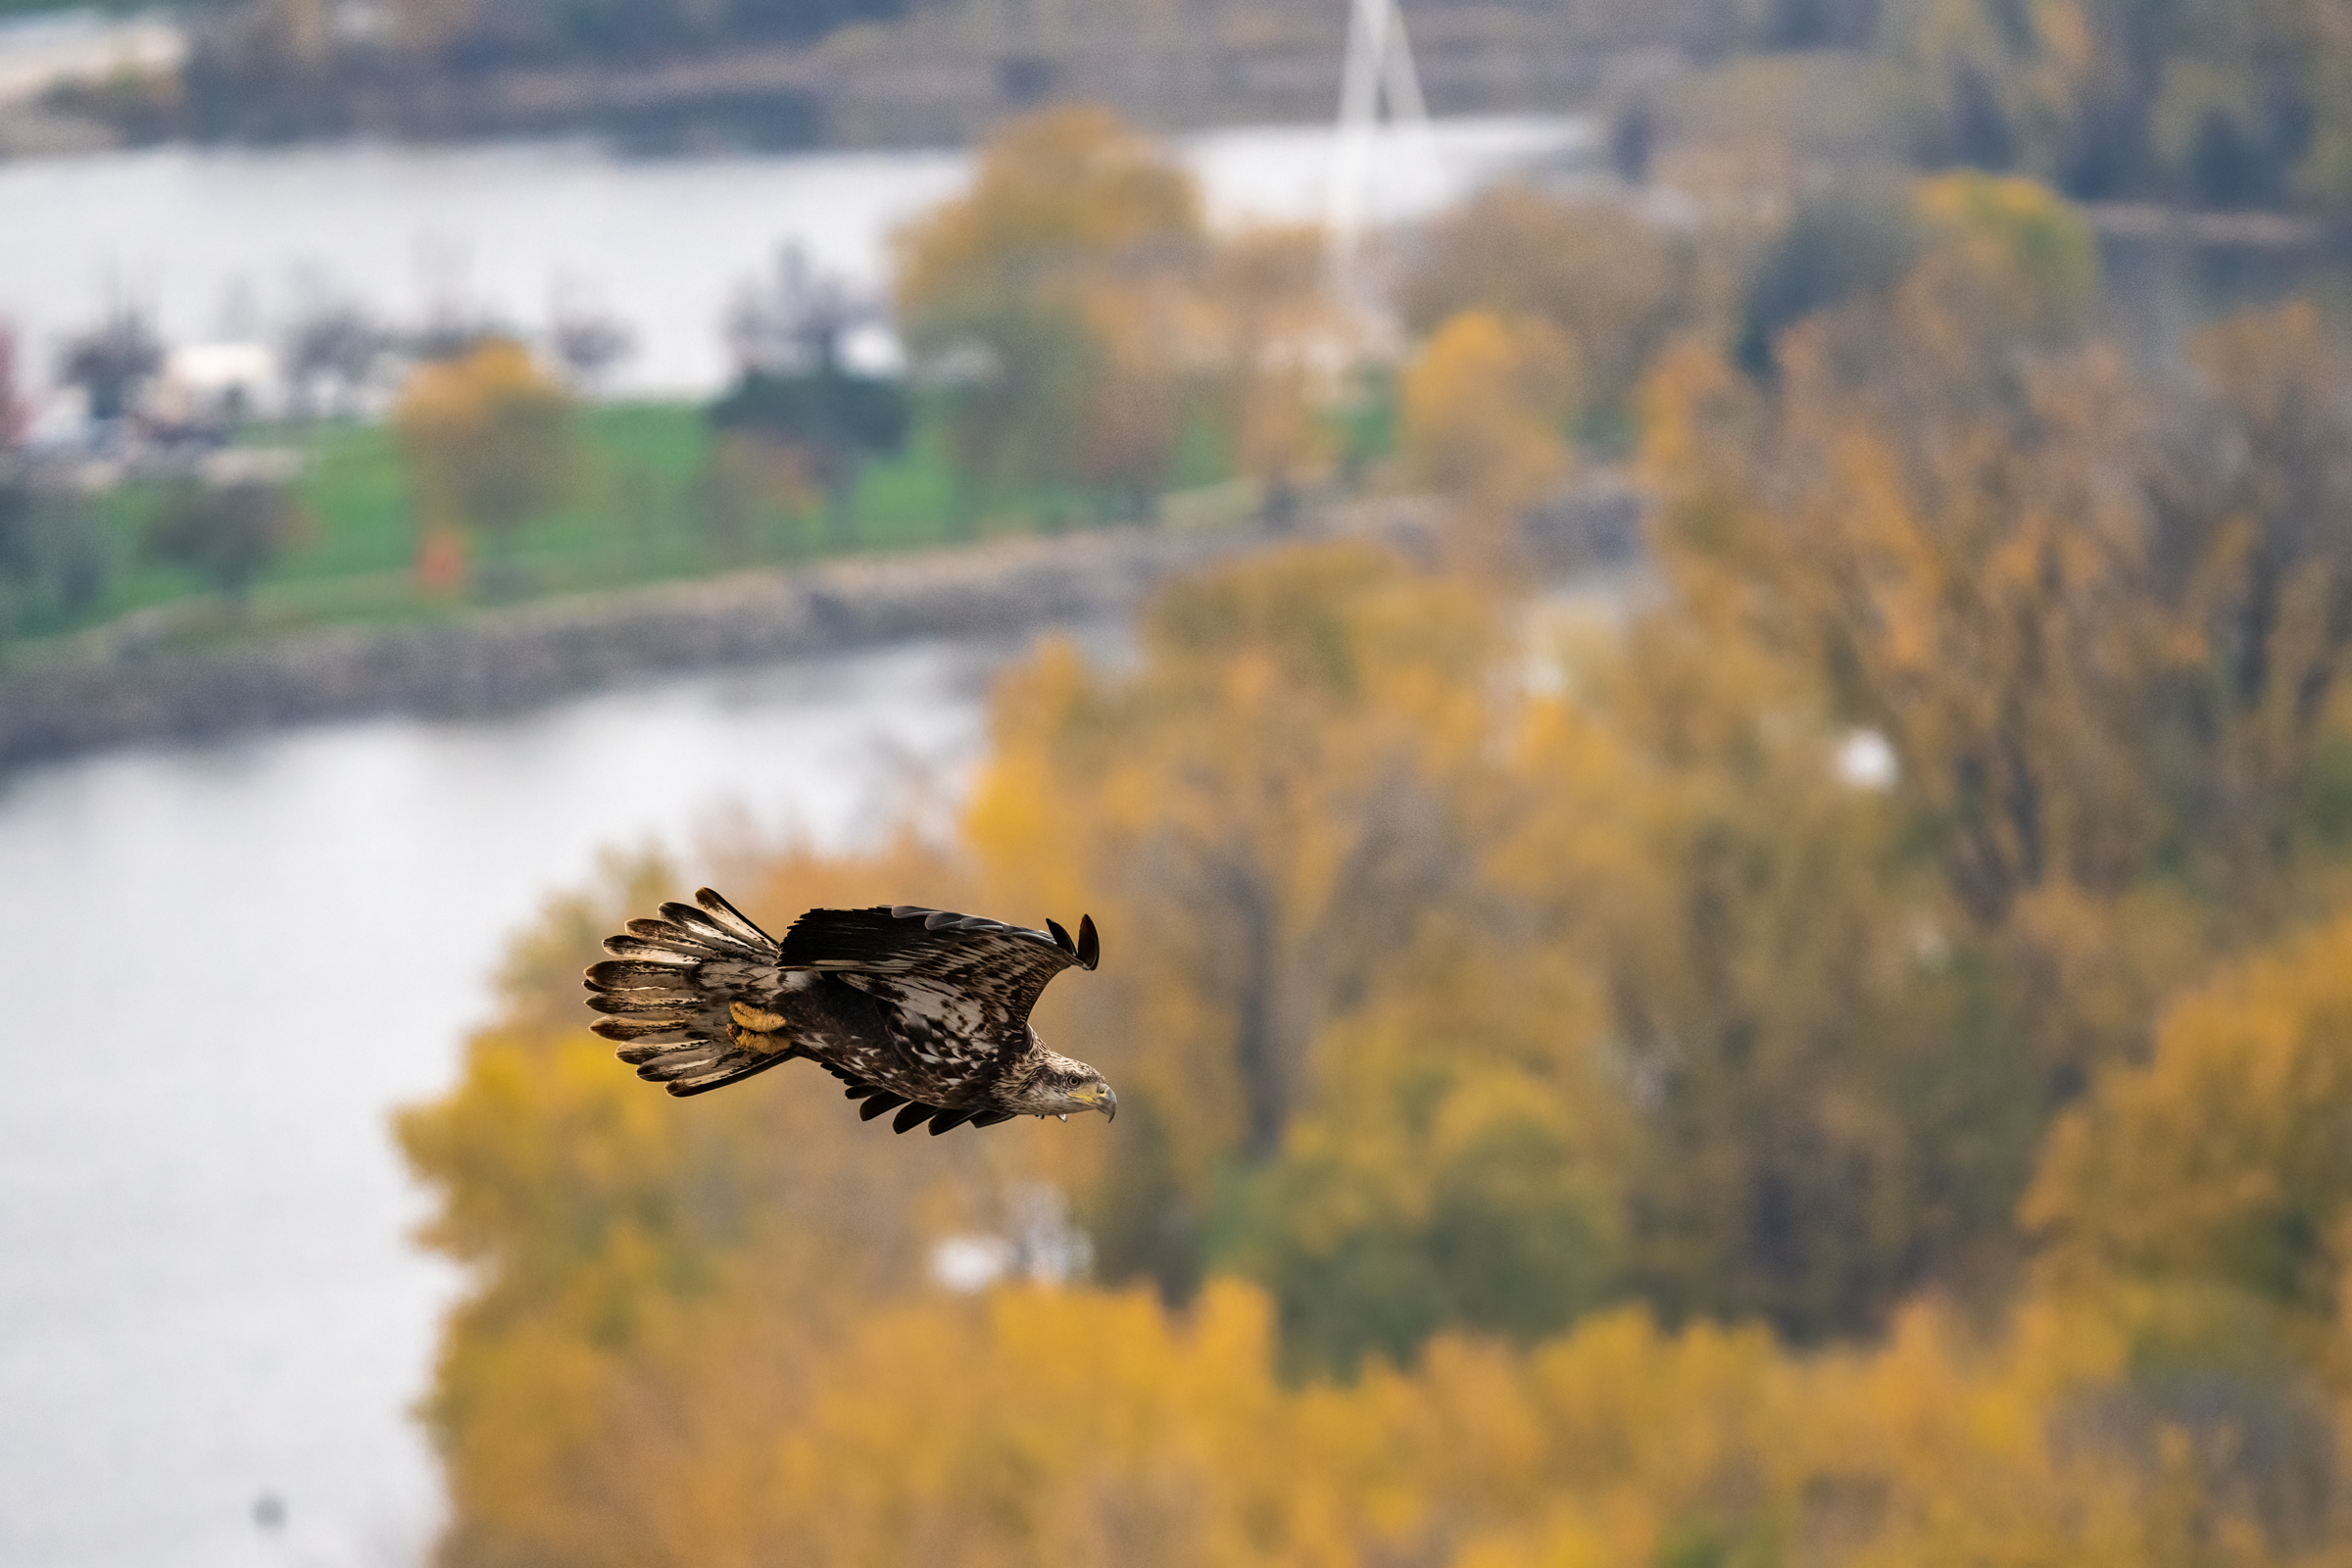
1089, 945
716, 905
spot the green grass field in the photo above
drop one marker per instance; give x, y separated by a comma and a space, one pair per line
649, 504
641, 510
646, 508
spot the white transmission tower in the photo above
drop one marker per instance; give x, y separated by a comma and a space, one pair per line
1380, 67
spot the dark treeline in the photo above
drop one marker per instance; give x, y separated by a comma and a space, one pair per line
2204, 103
272, 70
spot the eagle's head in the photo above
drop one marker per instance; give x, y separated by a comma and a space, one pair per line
1061, 1085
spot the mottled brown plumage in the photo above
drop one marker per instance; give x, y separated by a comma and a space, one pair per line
917, 1010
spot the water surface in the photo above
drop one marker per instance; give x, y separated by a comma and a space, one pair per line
227, 242
226, 966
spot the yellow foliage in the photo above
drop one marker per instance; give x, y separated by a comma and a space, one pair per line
1483, 421
1078, 313
2030, 226
1056, 299
1279, 339
1980, 549
2258, 635
1956, 558
1463, 991
2198, 92
1063, 185
1609, 281
616, 1236
2224, 1158
1271, 797
487, 437
2032, 253
1070, 1429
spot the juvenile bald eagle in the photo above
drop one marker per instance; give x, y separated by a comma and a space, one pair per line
914, 1008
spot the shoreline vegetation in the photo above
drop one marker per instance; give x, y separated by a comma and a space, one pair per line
503, 658
665, 81
491, 658
644, 502
659, 538
2210, 112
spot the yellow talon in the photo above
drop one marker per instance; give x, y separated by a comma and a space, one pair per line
757, 1020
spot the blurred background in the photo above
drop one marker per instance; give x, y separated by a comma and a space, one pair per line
1693, 654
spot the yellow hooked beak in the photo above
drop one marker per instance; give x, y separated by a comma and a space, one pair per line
1099, 1096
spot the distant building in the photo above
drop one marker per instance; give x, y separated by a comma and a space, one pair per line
212, 386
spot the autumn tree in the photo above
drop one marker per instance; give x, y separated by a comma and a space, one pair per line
2207, 104
1458, 1006
1940, 525
489, 443
1582, 1073
615, 1243
14, 415
1282, 793
54, 557
696, 1336
1045, 306
1895, 537
2220, 1158
1823, 1111
1483, 422
2251, 545
1611, 283
112, 361
832, 419
1356, 1072
227, 534
2201, 1202
332, 351
1954, 523
2032, 576
795, 393
1278, 337
1460, 1166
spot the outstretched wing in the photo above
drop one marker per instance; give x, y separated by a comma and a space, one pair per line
912, 1113
954, 991
970, 975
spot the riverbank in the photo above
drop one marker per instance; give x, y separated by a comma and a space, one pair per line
509, 659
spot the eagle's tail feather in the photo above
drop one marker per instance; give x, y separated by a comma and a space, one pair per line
667, 990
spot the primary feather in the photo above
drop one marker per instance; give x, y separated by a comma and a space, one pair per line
921, 1011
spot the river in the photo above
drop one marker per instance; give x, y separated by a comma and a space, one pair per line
226, 966
229, 243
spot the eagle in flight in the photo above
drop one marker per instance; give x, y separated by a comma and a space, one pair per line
915, 1009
